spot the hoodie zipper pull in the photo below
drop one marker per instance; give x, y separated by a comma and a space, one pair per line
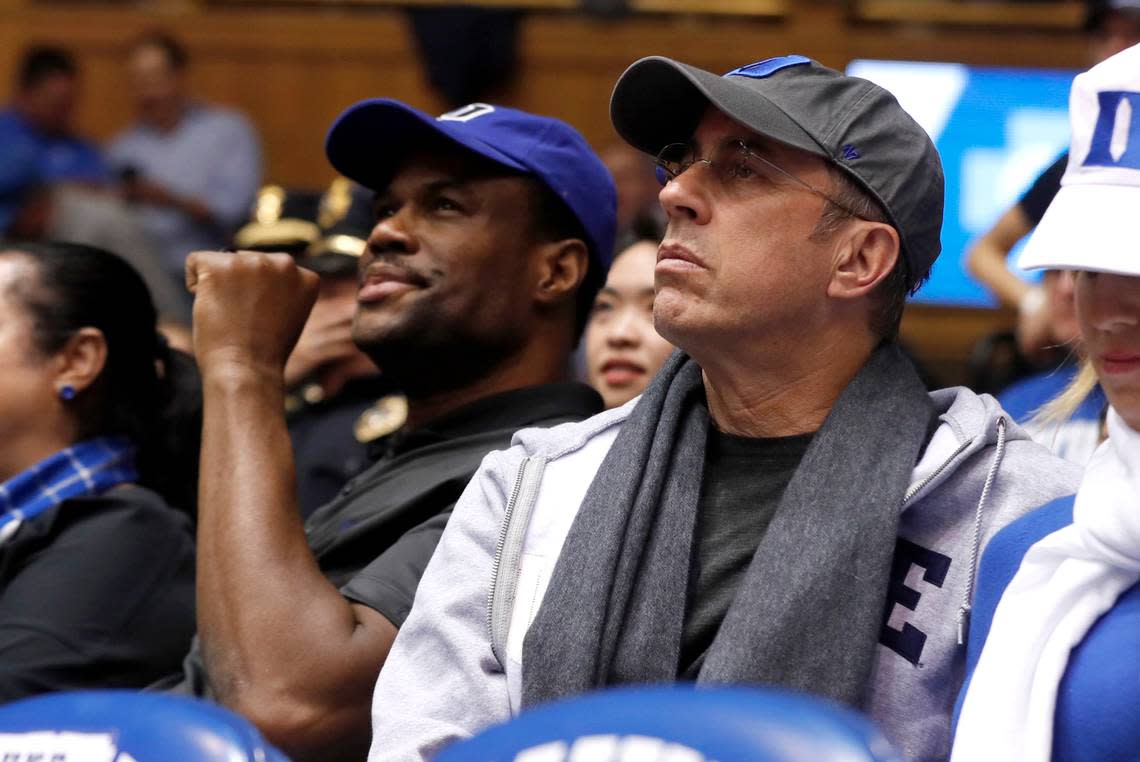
963, 619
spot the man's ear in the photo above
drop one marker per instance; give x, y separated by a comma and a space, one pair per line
562, 268
81, 359
865, 253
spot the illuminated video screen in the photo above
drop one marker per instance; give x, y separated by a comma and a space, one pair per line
996, 129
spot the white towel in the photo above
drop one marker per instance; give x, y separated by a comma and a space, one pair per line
1066, 581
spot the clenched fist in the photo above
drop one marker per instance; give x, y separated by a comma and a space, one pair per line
249, 309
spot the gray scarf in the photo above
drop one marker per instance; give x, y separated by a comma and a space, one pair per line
809, 610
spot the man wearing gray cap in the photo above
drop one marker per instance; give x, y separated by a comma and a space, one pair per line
785, 505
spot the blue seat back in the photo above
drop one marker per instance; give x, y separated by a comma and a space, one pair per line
125, 726
681, 724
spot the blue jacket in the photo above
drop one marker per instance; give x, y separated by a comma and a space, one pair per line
56, 158
1076, 438
1098, 703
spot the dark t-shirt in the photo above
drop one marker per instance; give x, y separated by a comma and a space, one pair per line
1037, 199
743, 482
97, 592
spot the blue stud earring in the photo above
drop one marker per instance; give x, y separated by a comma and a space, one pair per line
67, 392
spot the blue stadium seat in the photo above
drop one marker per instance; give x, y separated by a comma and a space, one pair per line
125, 726
681, 724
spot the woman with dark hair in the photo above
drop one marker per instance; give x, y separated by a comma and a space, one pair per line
623, 349
97, 417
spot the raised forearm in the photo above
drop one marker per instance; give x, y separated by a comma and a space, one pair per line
253, 560
987, 258
281, 644
987, 263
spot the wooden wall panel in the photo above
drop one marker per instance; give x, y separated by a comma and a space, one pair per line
943, 337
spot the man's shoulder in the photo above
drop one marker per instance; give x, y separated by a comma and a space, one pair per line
16, 139
566, 439
222, 119
12, 125
544, 420
979, 460
978, 424
125, 143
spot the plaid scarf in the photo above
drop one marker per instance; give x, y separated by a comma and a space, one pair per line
87, 468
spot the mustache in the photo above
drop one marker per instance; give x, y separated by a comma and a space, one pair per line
393, 267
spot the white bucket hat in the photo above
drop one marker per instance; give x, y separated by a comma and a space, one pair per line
1089, 225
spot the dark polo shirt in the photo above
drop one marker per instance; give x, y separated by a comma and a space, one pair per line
375, 539
325, 450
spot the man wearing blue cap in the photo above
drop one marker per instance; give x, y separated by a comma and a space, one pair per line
493, 230
785, 505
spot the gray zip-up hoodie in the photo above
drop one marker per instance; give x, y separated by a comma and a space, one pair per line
456, 665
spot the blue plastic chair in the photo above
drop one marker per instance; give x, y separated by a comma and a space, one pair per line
681, 724
125, 726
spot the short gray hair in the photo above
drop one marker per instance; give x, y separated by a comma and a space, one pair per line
889, 297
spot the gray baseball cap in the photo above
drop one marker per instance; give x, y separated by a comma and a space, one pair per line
852, 123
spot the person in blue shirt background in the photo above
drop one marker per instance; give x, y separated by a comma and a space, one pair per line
191, 170
39, 146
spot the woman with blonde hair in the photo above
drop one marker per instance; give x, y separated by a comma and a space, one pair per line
1054, 654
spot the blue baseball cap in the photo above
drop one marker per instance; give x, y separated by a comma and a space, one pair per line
368, 141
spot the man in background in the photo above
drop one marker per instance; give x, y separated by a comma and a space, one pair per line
39, 147
53, 183
40, 122
190, 169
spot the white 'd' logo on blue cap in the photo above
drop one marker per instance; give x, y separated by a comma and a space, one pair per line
467, 113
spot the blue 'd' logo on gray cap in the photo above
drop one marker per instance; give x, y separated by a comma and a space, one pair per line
768, 67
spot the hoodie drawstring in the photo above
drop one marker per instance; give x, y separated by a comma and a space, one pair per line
963, 616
